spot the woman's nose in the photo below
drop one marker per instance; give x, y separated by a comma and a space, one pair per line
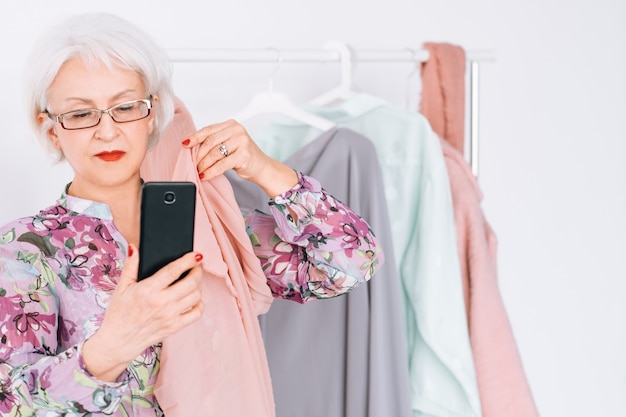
107, 128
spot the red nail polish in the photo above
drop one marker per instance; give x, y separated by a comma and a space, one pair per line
201, 175
199, 257
130, 251
186, 142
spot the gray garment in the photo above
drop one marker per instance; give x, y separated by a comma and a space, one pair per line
346, 356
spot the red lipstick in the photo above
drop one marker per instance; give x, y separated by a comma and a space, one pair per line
111, 156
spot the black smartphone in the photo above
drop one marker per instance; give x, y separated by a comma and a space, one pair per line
167, 223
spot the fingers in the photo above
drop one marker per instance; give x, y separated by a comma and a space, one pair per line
221, 157
182, 302
177, 303
211, 136
189, 301
131, 268
221, 146
166, 276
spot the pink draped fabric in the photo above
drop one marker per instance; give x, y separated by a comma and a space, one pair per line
502, 384
218, 365
443, 92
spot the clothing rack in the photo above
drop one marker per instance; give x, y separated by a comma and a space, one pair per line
338, 52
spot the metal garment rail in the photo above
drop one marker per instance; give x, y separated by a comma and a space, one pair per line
339, 52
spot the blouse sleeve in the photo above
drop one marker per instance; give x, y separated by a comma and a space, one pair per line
312, 245
35, 374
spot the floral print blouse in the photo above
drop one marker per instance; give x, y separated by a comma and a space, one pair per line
58, 270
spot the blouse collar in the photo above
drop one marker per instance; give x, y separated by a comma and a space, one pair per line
84, 206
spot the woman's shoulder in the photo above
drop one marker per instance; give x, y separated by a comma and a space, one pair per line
27, 241
54, 211
25, 231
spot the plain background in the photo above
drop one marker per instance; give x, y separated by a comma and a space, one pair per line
551, 153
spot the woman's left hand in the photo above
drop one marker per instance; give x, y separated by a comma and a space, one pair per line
227, 145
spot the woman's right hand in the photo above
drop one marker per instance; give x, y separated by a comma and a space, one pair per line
141, 314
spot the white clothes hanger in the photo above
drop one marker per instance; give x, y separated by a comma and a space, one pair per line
414, 84
270, 101
345, 89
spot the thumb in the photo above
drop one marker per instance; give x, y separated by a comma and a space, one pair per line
131, 268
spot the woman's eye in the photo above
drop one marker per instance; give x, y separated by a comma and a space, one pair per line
125, 107
81, 114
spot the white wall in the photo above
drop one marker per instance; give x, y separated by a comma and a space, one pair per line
552, 144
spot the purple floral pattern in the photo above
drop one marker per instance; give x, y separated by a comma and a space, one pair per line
314, 246
59, 268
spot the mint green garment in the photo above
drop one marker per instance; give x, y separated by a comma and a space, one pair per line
417, 189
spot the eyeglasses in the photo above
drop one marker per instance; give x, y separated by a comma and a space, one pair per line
129, 111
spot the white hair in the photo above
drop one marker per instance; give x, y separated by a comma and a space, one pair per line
98, 39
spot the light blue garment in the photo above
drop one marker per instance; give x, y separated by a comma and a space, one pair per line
417, 189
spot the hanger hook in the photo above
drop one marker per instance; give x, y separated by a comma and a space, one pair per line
346, 60
414, 71
414, 60
279, 61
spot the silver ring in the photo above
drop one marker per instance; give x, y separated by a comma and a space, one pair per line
223, 150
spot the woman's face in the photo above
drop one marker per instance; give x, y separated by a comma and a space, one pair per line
109, 154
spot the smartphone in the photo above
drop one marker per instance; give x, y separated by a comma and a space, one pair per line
167, 223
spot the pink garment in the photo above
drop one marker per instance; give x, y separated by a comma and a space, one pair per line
218, 365
443, 92
502, 384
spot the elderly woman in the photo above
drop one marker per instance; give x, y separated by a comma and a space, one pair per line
80, 335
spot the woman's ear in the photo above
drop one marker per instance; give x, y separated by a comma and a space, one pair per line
42, 118
155, 102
